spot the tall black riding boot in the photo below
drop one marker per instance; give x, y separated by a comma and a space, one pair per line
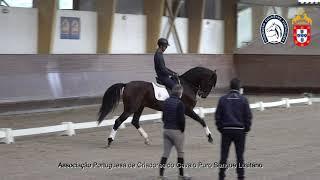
181, 163
163, 162
182, 176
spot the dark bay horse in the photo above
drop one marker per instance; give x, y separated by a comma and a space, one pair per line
139, 94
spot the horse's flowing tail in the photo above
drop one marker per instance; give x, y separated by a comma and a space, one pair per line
110, 100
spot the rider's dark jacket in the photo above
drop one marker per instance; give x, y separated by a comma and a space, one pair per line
160, 66
173, 114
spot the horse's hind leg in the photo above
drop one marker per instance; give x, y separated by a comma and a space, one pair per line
116, 125
135, 123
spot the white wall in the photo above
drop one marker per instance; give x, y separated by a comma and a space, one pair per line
129, 34
211, 40
18, 31
182, 29
132, 28
212, 37
87, 44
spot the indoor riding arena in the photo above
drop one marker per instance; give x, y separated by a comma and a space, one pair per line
61, 61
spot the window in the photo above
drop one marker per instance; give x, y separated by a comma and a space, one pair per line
18, 3
65, 4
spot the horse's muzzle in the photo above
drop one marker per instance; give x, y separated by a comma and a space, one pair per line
202, 94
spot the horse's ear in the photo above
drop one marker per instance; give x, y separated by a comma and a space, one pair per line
215, 71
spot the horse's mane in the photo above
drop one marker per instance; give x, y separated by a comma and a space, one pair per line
194, 73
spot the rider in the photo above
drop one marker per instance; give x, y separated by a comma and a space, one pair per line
162, 71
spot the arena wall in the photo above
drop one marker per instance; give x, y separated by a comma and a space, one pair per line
38, 77
278, 73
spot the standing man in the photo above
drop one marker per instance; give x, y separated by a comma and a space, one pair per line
162, 71
233, 120
173, 133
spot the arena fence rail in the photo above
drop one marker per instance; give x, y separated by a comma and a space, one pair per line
7, 135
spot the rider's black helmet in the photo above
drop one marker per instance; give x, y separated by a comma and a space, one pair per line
163, 42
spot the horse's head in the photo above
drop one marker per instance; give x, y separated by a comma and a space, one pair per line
274, 30
202, 79
271, 28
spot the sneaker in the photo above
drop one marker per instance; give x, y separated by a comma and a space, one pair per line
185, 177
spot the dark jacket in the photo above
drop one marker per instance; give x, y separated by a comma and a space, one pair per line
173, 114
233, 111
160, 66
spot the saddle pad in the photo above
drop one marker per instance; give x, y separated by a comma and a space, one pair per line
160, 92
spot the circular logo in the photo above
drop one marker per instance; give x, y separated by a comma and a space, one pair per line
274, 29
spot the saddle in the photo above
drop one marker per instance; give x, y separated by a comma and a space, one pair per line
161, 83
160, 92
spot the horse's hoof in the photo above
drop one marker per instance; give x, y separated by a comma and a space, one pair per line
147, 142
210, 140
109, 142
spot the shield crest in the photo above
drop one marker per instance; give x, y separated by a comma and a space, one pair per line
302, 30
302, 35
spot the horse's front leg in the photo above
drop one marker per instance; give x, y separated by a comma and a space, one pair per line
189, 112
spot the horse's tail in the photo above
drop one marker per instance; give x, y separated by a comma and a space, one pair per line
110, 100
